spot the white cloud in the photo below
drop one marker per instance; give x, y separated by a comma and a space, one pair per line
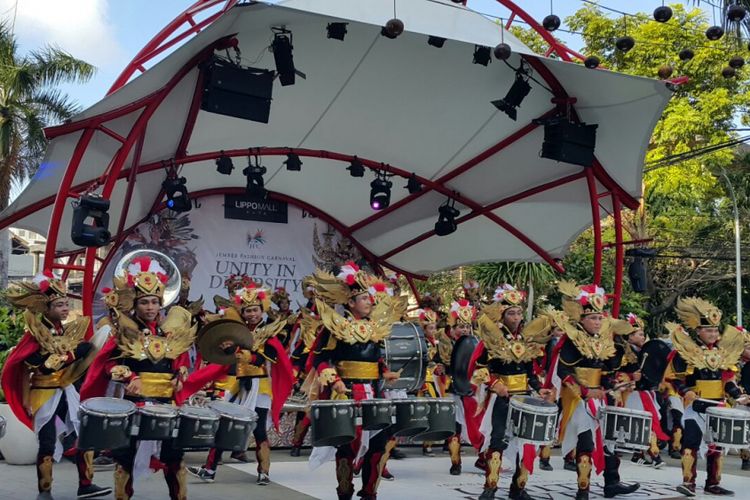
80, 27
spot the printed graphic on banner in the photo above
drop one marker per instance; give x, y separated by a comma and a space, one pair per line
243, 208
208, 248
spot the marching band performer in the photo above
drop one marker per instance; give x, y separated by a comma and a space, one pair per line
705, 363
255, 389
150, 357
428, 321
584, 355
347, 359
39, 374
280, 298
504, 361
460, 323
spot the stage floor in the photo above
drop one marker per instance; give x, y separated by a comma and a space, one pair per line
417, 477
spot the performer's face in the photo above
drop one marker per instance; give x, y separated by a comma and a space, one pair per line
557, 332
430, 329
637, 338
58, 310
708, 334
360, 305
592, 323
512, 318
460, 330
283, 305
252, 315
147, 308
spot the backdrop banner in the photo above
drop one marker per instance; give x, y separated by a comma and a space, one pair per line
274, 243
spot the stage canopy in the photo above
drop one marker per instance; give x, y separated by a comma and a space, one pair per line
399, 105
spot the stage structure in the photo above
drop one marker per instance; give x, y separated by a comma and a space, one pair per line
353, 104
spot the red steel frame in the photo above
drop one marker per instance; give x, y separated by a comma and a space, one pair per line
148, 105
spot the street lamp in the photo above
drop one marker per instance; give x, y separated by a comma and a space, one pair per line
737, 256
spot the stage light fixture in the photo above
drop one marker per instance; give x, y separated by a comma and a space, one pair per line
293, 163
436, 41
337, 31
255, 187
567, 141
515, 96
90, 227
178, 198
482, 55
380, 192
446, 223
413, 184
356, 169
224, 164
282, 48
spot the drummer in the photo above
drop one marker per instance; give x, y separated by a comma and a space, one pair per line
348, 361
629, 372
709, 362
39, 374
428, 319
283, 312
744, 381
150, 358
255, 389
585, 353
505, 360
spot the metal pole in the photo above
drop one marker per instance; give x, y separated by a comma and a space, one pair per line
738, 258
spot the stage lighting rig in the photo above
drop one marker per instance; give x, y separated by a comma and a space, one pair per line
517, 93
293, 163
282, 49
90, 227
337, 31
413, 184
482, 55
446, 223
178, 198
436, 41
255, 187
224, 164
380, 191
356, 169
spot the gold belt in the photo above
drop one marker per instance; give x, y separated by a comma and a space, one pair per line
51, 381
589, 377
515, 383
709, 389
428, 376
250, 370
228, 383
156, 385
362, 370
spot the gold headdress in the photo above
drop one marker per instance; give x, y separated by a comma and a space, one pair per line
279, 294
427, 316
462, 311
350, 282
694, 313
237, 281
578, 301
145, 277
252, 295
36, 294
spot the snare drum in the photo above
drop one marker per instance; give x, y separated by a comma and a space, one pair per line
236, 424
412, 416
105, 423
533, 420
155, 422
196, 429
376, 414
727, 427
441, 419
332, 422
628, 429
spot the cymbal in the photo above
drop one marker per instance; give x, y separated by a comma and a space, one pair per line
216, 333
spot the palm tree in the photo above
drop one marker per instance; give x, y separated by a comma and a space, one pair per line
29, 102
530, 276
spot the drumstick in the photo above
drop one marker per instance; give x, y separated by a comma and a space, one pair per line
643, 361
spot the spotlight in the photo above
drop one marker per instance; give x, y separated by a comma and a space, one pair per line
282, 55
255, 188
436, 41
224, 164
380, 192
337, 31
568, 142
446, 223
413, 184
356, 169
293, 163
90, 226
518, 91
177, 194
482, 55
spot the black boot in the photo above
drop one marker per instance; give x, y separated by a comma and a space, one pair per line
717, 490
612, 490
488, 494
582, 495
570, 465
519, 495
545, 465
455, 470
295, 451
93, 491
745, 464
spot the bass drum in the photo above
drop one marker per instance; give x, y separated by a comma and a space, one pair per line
406, 350
655, 359
459, 369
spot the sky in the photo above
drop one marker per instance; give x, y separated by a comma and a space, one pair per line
109, 33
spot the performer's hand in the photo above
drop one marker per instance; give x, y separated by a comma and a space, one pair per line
134, 387
743, 400
439, 370
636, 376
390, 376
547, 395
339, 387
595, 394
176, 384
690, 396
500, 389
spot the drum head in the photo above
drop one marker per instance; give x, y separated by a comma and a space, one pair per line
724, 412
463, 349
529, 401
159, 410
654, 356
405, 349
376, 402
332, 402
109, 406
198, 412
233, 411
617, 410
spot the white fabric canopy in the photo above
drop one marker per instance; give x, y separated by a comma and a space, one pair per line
400, 102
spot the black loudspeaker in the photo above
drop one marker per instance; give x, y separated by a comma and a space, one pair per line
638, 274
569, 142
232, 90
